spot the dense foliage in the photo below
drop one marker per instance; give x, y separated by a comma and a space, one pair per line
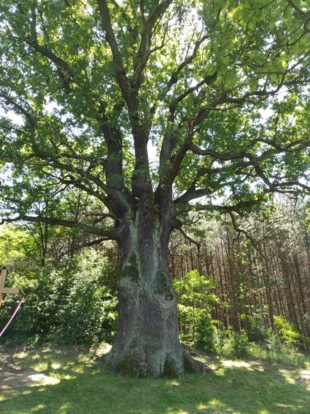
72, 303
220, 88
75, 301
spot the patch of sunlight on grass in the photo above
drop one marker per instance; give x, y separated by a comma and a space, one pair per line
250, 366
39, 407
86, 358
69, 377
82, 358
65, 407
174, 383
264, 412
41, 366
237, 364
215, 405
102, 349
21, 355
56, 365
201, 406
287, 376
285, 406
78, 370
68, 365
305, 374
43, 379
220, 372
169, 411
26, 392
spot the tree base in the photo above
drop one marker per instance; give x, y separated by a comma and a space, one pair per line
136, 366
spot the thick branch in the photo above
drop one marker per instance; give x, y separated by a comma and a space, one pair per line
107, 233
113, 164
60, 63
228, 156
193, 193
145, 45
238, 208
119, 69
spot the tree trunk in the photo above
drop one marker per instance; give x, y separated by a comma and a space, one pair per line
147, 342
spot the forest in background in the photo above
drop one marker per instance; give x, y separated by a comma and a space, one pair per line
246, 281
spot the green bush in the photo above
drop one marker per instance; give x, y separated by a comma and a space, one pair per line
287, 331
206, 332
240, 343
195, 300
273, 343
71, 304
255, 327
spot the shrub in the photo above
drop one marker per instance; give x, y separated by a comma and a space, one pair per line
72, 303
240, 344
286, 331
195, 298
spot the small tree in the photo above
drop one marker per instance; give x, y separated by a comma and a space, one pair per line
195, 300
93, 83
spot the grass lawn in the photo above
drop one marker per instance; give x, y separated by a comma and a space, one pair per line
73, 381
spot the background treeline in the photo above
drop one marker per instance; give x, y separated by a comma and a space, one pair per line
260, 271
238, 280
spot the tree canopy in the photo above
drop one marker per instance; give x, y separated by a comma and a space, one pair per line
219, 88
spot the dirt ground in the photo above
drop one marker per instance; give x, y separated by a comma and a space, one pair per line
12, 376
12, 379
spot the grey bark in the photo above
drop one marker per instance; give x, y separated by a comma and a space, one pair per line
147, 342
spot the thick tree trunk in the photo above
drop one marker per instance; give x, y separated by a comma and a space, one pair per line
147, 342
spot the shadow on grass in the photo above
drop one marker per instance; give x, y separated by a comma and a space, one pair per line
244, 387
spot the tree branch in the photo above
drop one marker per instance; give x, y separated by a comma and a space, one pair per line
88, 244
175, 75
238, 208
291, 3
119, 69
145, 44
208, 80
20, 108
242, 231
107, 233
33, 42
187, 237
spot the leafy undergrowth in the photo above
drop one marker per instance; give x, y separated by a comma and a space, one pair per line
74, 381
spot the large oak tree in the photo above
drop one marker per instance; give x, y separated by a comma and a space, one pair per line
217, 87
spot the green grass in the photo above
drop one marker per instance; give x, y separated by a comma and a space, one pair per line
82, 386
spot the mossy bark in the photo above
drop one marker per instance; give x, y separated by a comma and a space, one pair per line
147, 342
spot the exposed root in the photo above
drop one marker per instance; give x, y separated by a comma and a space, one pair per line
192, 366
